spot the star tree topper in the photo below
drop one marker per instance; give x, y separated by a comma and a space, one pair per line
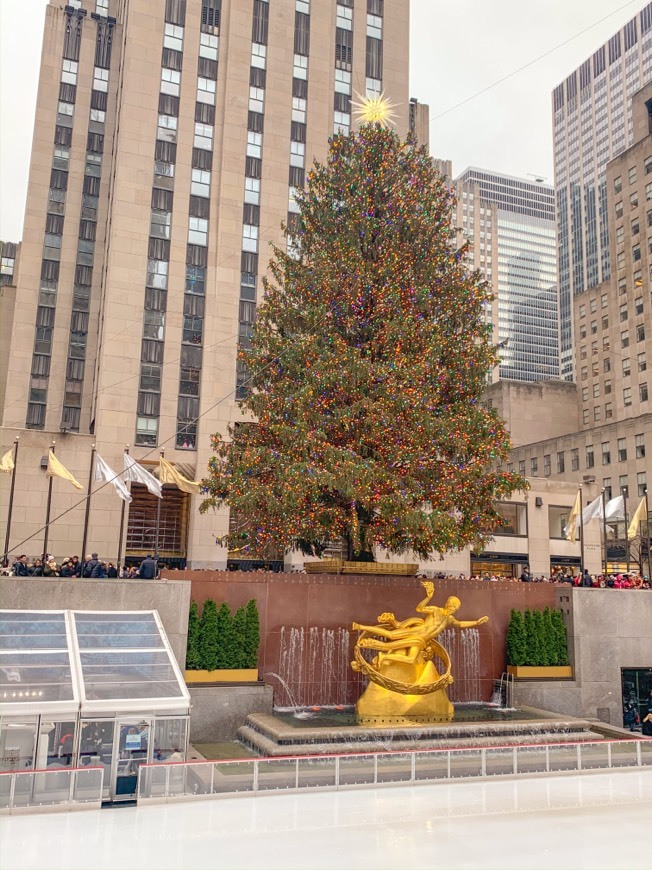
375, 109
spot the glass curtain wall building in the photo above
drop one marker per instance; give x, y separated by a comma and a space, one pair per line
592, 122
511, 224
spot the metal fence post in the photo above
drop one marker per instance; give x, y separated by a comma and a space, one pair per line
296, 773
547, 758
609, 754
337, 771
167, 780
448, 764
483, 762
212, 778
413, 767
12, 791
255, 782
514, 760
375, 769
578, 752
72, 776
639, 759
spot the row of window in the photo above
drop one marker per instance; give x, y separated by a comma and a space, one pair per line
621, 448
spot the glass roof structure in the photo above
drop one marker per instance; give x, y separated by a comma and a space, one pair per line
70, 661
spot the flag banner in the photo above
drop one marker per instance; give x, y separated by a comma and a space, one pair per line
104, 472
639, 517
615, 509
56, 469
7, 462
136, 473
570, 529
169, 474
593, 510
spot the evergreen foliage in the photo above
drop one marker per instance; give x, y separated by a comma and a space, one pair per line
516, 645
193, 652
537, 638
252, 634
367, 368
208, 637
225, 651
239, 639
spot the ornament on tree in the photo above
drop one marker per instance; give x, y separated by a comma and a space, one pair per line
367, 366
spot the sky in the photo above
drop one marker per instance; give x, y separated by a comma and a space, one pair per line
457, 50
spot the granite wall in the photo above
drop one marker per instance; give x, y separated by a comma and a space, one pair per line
307, 617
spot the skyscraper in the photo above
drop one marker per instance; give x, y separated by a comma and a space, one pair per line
511, 224
592, 119
170, 138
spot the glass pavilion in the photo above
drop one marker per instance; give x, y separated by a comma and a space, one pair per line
90, 688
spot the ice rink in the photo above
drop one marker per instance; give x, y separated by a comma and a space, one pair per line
595, 821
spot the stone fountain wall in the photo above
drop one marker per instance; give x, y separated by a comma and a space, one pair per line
306, 618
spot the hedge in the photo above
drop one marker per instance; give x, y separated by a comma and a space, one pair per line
537, 638
219, 640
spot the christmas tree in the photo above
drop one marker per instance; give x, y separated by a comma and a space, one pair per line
367, 365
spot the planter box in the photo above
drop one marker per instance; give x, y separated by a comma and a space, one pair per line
243, 675
529, 672
336, 566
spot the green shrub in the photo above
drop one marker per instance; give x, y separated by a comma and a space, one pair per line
239, 635
224, 631
208, 637
549, 638
252, 634
561, 639
193, 651
516, 647
539, 646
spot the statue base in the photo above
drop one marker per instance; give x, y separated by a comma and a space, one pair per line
380, 707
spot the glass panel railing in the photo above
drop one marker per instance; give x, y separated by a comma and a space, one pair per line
594, 756
531, 759
624, 753
394, 767
6, 780
431, 765
646, 752
34, 789
87, 786
563, 757
317, 773
357, 770
277, 774
230, 777
466, 763
499, 762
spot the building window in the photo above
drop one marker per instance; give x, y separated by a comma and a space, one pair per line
146, 431
641, 361
632, 174
627, 396
636, 253
606, 453
254, 144
623, 485
561, 462
546, 465
622, 449
618, 184
620, 235
204, 137
585, 415
640, 332
170, 82
197, 231
626, 367
534, 466
608, 411
173, 37
596, 413
575, 459
596, 391
641, 483
624, 338
200, 184
640, 446
590, 459
606, 485
642, 391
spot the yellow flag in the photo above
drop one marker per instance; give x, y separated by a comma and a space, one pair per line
637, 519
56, 469
7, 462
570, 529
167, 473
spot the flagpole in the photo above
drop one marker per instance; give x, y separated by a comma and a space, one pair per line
581, 532
624, 492
88, 504
47, 510
122, 520
647, 532
604, 530
158, 522
5, 558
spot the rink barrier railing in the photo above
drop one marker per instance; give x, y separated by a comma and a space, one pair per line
68, 788
162, 782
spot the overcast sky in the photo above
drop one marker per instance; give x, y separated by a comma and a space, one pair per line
458, 48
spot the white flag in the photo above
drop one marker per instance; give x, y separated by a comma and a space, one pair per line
106, 473
136, 472
615, 509
593, 510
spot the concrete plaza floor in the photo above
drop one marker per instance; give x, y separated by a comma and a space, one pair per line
595, 820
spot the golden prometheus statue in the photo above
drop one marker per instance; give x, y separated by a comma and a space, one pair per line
405, 687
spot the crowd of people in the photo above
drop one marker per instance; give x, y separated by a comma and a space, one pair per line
92, 567
569, 576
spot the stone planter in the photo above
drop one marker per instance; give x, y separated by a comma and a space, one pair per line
529, 672
237, 675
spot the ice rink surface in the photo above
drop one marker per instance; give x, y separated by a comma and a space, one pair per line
595, 820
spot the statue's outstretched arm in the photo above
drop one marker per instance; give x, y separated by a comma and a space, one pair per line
422, 607
467, 623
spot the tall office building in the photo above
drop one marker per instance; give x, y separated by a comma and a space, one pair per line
170, 138
510, 222
592, 119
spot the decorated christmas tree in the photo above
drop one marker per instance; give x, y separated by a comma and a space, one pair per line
367, 365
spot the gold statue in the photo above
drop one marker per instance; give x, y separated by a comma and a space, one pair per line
405, 687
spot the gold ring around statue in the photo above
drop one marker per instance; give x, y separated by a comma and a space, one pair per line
431, 648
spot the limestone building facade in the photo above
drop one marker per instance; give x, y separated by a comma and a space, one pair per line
170, 137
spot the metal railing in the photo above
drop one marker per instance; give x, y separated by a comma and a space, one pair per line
51, 788
203, 779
